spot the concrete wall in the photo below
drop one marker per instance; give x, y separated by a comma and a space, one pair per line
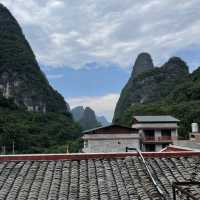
110, 145
157, 133
158, 147
174, 134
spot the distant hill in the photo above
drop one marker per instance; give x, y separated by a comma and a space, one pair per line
77, 113
102, 120
32, 114
169, 89
87, 118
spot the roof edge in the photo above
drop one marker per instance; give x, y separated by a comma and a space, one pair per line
169, 118
88, 156
108, 126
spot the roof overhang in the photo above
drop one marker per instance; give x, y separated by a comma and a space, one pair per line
114, 136
155, 126
86, 156
155, 118
91, 131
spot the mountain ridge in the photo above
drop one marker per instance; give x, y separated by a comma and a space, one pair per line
33, 116
20, 74
151, 85
167, 90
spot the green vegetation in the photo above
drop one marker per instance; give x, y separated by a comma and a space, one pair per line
37, 132
169, 90
152, 86
186, 112
27, 87
18, 67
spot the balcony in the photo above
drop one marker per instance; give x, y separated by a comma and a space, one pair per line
158, 139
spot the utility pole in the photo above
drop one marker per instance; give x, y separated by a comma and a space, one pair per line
67, 148
4, 150
13, 147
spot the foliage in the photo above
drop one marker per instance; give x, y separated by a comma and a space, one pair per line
186, 112
37, 132
19, 68
152, 86
181, 101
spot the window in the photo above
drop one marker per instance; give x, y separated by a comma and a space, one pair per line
166, 132
164, 145
149, 133
150, 147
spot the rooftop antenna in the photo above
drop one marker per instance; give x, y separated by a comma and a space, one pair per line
67, 148
13, 147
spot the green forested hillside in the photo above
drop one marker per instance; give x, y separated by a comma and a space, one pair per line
152, 85
20, 74
37, 132
187, 112
169, 90
48, 126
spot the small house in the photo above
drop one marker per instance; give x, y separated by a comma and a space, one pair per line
156, 132
112, 138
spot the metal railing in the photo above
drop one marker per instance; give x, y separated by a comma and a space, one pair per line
158, 138
184, 192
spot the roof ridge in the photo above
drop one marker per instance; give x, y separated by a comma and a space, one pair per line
90, 156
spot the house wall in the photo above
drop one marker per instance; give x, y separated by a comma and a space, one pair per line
110, 145
157, 132
158, 147
174, 134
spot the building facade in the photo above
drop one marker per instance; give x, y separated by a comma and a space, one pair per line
111, 138
156, 132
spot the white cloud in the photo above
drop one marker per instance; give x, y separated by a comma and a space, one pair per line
102, 105
73, 33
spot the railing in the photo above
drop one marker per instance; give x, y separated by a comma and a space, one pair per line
183, 190
158, 138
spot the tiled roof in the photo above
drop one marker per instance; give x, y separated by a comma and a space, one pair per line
172, 148
103, 176
109, 126
158, 118
195, 146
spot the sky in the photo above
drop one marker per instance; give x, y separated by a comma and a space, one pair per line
87, 47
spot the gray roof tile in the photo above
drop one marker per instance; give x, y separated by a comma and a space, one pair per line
117, 178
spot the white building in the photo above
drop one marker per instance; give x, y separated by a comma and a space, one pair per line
111, 138
156, 132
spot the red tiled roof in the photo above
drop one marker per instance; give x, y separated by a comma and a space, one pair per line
174, 148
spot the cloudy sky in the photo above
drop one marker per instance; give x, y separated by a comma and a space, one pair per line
87, 47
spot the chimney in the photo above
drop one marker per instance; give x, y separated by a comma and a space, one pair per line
195, 135
195, 127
